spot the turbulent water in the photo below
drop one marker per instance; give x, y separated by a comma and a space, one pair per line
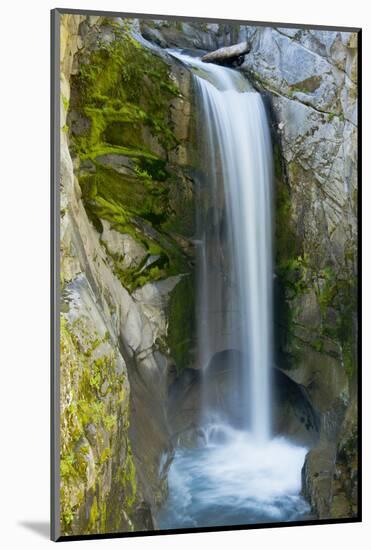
233, 480
237, 473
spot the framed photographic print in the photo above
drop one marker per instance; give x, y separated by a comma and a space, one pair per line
205, 274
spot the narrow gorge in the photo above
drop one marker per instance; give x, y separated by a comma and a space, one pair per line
208, 243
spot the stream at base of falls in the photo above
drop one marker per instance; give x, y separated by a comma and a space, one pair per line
244, 476
231, 479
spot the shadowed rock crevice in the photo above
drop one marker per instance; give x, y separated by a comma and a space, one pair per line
294, 415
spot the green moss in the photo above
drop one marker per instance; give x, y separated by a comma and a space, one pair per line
336, 297
124, 200
301, 271
109, 422
291, 265
94, 512
121, 93
181, 315
106, 455
337, 292
122, 90
65, 102
128, 479
135, 277
295, 272
118, 198
287, 248
123, 82
67, 516
88, 406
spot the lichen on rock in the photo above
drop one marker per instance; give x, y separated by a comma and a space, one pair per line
126, 224
128, 170
312, 94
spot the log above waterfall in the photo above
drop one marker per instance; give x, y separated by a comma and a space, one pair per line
227, 55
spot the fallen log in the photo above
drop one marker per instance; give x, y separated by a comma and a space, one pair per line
228, 54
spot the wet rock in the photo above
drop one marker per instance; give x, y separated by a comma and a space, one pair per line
154, 35
107, 334
317, 475
220, 385
309, 79
191, 35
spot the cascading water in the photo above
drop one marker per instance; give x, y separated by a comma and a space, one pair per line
237, 473
237, 135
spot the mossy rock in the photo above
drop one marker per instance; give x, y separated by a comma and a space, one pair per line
122, 92
181, 317
303, 272
94, 420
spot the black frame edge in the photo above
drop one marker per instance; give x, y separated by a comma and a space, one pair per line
195, 530
76, 11
359, 270
54, 274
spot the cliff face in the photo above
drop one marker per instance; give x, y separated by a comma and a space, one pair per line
128, 167
309, 79
126, 263
309, 82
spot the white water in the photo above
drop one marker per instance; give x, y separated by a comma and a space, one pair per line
234, 475
233, 480
238, 149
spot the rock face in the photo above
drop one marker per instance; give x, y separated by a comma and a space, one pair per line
126, 261
189, 34
128, 168
309, 82
293, 414
309, 79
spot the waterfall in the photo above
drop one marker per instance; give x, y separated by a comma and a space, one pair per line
236, 472
235, 241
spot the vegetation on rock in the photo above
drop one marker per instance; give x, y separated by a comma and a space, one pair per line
128, 132
94, 403
121, 107
122, 131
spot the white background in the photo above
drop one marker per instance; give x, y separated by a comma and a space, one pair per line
24, 270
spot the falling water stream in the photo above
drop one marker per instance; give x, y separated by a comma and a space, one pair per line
237, 472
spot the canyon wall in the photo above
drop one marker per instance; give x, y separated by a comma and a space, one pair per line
128, 171
309, 79
126, 270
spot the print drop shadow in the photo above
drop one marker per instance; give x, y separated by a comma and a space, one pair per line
41, 528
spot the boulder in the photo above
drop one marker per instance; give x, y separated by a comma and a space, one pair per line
228, 55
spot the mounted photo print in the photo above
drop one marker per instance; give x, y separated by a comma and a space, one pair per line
205, 274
